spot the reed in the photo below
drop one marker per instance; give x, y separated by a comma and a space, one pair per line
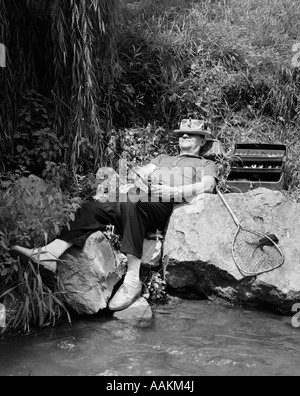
82, 32
32, 304
17, 33
66, 48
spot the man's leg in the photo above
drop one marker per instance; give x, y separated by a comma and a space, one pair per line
46, 256
140, 218
137, 219
132, 221
91, 217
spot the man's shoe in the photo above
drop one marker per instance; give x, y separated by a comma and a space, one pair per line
125, 297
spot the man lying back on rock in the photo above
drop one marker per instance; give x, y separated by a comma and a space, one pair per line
173, 179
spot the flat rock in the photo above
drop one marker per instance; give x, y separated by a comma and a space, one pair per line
139, 312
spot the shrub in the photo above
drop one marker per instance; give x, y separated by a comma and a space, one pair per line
35, 141
32, 213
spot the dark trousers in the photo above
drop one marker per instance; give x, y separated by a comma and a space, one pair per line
132, 222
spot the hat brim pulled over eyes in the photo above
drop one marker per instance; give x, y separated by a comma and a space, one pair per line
193, 127
204, 133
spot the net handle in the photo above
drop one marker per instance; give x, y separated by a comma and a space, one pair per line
228, 208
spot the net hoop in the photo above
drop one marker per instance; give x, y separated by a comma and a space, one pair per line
246, 272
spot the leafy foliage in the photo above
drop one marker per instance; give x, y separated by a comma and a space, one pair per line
139, 145
31, 214
35, 211
154, 288
36, 143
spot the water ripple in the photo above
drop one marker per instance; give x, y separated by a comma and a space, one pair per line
187, 338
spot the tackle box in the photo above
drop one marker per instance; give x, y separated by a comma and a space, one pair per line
255, 165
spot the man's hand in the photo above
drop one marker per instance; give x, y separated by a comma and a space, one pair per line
140, 182
164, 192
141, 176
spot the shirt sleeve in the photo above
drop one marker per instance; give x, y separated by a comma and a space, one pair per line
156, 161
210, 169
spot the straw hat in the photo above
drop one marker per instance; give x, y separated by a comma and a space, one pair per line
195, 127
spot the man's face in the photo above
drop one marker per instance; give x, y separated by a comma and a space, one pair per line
191, 143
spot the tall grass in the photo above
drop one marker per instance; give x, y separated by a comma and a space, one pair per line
224, 55
33, 303
227, 61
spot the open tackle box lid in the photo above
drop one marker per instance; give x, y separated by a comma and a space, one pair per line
263, 152
256, 165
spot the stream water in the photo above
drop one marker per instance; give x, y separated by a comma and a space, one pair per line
185, 338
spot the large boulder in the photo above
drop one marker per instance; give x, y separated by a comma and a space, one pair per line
89, 275
197, 252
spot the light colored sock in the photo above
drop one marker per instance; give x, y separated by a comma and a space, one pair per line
132, 277
58, 247
54, 250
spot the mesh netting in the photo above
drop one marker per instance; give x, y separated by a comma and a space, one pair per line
255, 253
